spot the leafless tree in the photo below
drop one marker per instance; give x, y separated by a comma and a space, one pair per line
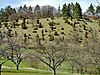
16, 49
98, 2
94, 50
4, 53
52, 53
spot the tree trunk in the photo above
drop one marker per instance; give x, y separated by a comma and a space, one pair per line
99, 71
82, 71
0, 69
17, 67
72, 69
53, 71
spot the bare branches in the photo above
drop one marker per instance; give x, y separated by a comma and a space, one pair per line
52, 53
98, 2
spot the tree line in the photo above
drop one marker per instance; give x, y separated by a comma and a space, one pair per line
69, 10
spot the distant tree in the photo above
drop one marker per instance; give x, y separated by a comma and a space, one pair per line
64, 9
25, 8
37, 11
77, 11
68, 12
1, 14
20, 8
30, 8
13, 17
30, 13
2, 10
98, 9
20, 13
72, 9
48, 11
44, 11
91, 9
58, 11
9, 10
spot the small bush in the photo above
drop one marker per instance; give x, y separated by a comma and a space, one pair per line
25, 35
16, 33
52, 17
99, 22
0, 25
64, 18
40, 25
34, 31
56, 34
78, 23
42, 31
54, 27
43, 35
24, 26
29, 34
71, 24
51, 24
51, 38
62, 33
38, 21
43, 38
46, 30
58, 23
35, 28
62, 28
47, 19
66, 21
49, 35
6, 24
16, 20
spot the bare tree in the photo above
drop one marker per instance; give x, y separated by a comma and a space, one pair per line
3, 51
94, 50
16, 50
98, 2
52, 53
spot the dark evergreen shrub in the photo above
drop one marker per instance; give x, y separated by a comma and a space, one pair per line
56, 34
35, 28
34, 31
40, 25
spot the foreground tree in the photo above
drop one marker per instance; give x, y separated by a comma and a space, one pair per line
4, 53
93, 47
51, 53
16, 49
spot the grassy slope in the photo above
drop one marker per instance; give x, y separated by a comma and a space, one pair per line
32, 72
30, 29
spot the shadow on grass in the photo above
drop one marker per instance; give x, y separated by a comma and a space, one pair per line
24, 71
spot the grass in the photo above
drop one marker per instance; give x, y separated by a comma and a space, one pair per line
40, 65
12, 65
31, 72
30, 29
